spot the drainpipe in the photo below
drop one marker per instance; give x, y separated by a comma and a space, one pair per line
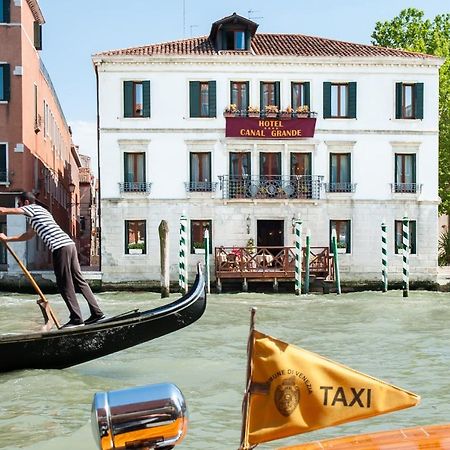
99, 204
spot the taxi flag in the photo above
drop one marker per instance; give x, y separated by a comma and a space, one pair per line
292, 391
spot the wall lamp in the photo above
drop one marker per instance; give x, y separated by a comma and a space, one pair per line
248, 222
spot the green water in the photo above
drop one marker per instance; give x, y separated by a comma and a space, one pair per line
404, 342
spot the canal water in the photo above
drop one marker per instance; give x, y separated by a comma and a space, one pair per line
404, 342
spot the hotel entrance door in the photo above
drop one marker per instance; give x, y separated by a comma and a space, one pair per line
270, 233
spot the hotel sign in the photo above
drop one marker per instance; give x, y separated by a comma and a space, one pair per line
265, 128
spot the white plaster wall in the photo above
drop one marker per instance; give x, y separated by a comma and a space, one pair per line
169, 134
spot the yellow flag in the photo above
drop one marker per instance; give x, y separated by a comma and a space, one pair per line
294, 391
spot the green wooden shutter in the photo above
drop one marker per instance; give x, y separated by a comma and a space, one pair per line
248, 40
398, 100
6, 82
414, 168
212, 98
307, 94
146, 100
6, 12
128, 99
194, 98
277, 94
3, 168
37, 32
261, 95
418, 92
352, 88
326, 100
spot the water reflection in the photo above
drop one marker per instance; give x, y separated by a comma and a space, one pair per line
402, 342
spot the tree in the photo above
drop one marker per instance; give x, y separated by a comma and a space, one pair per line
410, 31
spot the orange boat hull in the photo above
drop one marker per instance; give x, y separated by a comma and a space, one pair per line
417, 438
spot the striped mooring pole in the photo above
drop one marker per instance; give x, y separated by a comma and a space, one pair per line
405, 256
384, 273
182, 262
334, 249
307, 257
207, 279
298, 256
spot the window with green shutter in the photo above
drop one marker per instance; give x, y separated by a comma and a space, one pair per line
5, 82
409, 100
300, 95
339, 100
269, 94
136, 96
5, 14
3, 167
37, 31
202, 99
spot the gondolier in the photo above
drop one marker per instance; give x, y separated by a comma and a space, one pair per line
65, 259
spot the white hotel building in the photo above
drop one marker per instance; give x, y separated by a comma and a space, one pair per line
368, 155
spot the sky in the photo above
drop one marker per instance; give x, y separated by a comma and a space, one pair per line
74, 30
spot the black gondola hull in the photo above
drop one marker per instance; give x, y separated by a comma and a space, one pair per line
68, 347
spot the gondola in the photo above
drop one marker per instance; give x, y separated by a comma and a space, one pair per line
70, 346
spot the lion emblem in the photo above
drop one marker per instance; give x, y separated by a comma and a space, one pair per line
287, 396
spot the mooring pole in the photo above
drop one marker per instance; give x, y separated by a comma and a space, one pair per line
336, 261
405, 256
307, 257
207, 270
164, 241
298, 256
182, 263
384, 269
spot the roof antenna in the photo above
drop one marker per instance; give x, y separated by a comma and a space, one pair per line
191, 28
251, 11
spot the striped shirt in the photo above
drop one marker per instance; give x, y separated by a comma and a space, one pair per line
45, 227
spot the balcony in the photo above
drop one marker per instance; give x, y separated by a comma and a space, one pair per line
406, 188
340, 187
271, 187
201, 186
135, 186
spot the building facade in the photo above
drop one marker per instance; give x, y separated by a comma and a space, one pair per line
36, 150
345, 137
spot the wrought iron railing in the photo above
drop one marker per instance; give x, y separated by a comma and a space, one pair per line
201, 186
340, 187
135, 186
406, 188
271, 187
267, 114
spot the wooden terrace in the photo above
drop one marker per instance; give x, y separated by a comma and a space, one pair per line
269, 264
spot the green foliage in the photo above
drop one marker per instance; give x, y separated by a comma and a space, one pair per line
136, 245
444, 249
410, 31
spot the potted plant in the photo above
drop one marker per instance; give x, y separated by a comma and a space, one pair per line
253, 111
230, 110
271, 110
287, 113
250, 247
199, 248
342, 247
136, 248
302, 111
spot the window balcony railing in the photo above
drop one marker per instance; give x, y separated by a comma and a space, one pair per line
271, 187
135, 186
201, 186
340, 187
267, 114
406, 188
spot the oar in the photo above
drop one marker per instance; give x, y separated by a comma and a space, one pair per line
49, 316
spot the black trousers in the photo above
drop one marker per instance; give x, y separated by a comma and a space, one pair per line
70, 280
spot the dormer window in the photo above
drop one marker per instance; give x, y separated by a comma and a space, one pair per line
233, 33
235, 40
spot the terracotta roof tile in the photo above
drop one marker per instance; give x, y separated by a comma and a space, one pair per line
265, 44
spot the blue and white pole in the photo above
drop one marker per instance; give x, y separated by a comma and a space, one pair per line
405, 256
298, 256
182, 262
207, 277
384, 269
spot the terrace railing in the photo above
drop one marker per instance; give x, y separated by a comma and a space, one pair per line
271, 187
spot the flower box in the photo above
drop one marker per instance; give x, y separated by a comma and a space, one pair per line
135, 251
199, 251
